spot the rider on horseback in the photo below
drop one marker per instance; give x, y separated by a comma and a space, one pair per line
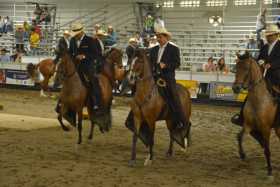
84, 49
270, 58
165, 58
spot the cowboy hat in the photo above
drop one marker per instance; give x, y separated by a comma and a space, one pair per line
101, 33
66, 32
76, 28
132, 40
252, 36
271, 30
163, 31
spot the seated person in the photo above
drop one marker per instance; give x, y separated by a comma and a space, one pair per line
209, 66
111, 38
221, 66
3, 56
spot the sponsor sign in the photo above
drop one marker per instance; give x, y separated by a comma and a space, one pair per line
222, 91
18, 77
191, 85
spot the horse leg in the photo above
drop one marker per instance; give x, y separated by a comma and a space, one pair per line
240, 136
258, 137
90, 136
59, 117
169, 152
44, 86
150, 156
132, 161
80, 118
188, 140
277, 132
266, 136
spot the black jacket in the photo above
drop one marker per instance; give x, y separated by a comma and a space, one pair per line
274, 58
86, 48
97, 50
130, 51
170, 57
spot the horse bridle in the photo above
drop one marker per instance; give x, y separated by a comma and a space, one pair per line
251, 84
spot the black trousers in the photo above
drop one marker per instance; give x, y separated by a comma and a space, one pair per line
87, 74
173, 100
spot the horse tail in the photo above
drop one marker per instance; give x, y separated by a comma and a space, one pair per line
31, 70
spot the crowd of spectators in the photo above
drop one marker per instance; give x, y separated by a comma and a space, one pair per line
6, 25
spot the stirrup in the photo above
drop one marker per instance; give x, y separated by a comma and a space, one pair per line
237, 120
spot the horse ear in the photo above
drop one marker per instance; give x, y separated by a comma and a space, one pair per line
238, 55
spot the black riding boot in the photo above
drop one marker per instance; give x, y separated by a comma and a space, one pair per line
95, 93
238, 119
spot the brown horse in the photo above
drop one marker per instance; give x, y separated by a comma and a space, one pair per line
260, 109
148, 106
46, 68
74, 95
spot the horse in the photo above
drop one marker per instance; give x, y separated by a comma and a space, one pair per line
74, 94
260, 109
148, 106
45, 68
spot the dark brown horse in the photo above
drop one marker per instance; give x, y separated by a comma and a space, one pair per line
148, 106
74, 95
260, 109
45, 68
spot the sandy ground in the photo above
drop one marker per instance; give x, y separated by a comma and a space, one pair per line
35, 152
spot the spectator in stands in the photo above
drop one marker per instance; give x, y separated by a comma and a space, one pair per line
19, 36
130, 50
209, 66
159, 23
221, 66
17, 57
8, 25
37, 12
4, 57
149, 24
277, 21
111, 39
252, 45
260, 25
97, 27
45, 15
1, 25
63, 45
34, 41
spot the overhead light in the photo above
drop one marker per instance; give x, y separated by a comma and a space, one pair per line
215, 20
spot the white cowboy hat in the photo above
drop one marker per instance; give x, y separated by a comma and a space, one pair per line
271, 30
132, 40
252, 36
162, 30
66, 32
101, 33
76, 28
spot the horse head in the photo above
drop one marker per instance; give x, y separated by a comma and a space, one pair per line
243, 72
63, 70
136, 70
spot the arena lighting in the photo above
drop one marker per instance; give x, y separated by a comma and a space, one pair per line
215, 20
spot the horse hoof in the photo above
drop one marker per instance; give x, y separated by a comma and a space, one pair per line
183, 150
169, 154
131, 163
242, 156
148, 162
270, 178
66, 129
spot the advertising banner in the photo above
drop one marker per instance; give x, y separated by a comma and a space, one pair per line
191, 85
221, 91
18, 77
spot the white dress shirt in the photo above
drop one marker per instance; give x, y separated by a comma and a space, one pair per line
101, 44
79, 41
161, 51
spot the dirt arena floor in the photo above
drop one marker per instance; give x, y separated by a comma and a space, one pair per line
35, 152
